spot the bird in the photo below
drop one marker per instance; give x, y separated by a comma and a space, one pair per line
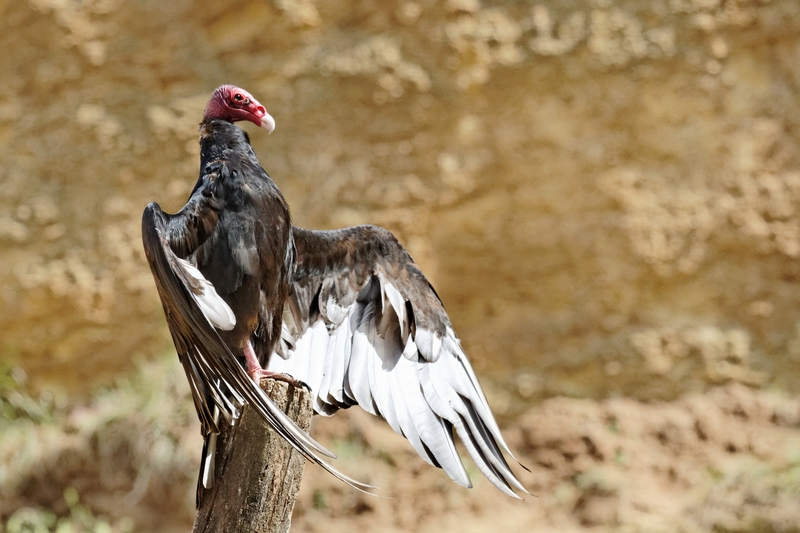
346, 313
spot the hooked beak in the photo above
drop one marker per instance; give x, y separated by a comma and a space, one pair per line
268, 123
257, 114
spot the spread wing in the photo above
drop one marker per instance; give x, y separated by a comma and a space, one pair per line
364, 326
193, 309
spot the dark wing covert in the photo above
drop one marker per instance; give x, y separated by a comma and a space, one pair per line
364, 326
218, 382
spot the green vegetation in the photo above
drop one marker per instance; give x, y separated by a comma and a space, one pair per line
125, 449
78, 520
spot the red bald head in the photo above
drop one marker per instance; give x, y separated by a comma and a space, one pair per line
234, 104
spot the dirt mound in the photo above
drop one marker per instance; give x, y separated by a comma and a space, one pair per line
724, 460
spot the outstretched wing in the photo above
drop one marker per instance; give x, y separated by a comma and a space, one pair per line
364, 326
193, 309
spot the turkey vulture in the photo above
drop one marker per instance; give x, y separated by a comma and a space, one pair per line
246, 295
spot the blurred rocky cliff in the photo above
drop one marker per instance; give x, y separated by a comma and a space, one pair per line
606, 194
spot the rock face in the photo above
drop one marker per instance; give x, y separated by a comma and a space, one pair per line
606, 194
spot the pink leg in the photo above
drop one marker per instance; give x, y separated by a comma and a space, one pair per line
257, 373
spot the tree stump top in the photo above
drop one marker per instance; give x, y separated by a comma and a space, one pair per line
258, 473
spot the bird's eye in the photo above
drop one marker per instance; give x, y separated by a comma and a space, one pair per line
238, 97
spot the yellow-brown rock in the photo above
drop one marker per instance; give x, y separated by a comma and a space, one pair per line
606, 194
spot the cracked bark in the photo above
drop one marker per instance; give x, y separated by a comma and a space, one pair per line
258, 473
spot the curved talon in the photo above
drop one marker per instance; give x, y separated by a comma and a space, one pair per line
258, 374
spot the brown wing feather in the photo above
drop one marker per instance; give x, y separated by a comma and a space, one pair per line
215, 376
369, 329
350, 256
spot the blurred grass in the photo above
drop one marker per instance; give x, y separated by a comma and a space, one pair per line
125, 460
127, 452
79, 520
15, 402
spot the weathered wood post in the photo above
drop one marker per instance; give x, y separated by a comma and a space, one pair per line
258, 473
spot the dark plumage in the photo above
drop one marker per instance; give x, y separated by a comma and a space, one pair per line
348, 312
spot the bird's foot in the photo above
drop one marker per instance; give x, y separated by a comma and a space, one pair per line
259, 373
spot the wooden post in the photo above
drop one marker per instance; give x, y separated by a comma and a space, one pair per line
257, 472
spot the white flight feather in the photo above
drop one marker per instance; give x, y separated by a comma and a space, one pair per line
341, 359
462, 378
464, 405
382, 281
429, 425
411, 352
358, 310
400, 407
357, 371
477, 430
424, 340
316, 355
442, 397
436, 347
335, 312
211, 451
327, 363
213, 306
290, 364
364, 352
208, 466
379, 368
399, 305
443, 411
